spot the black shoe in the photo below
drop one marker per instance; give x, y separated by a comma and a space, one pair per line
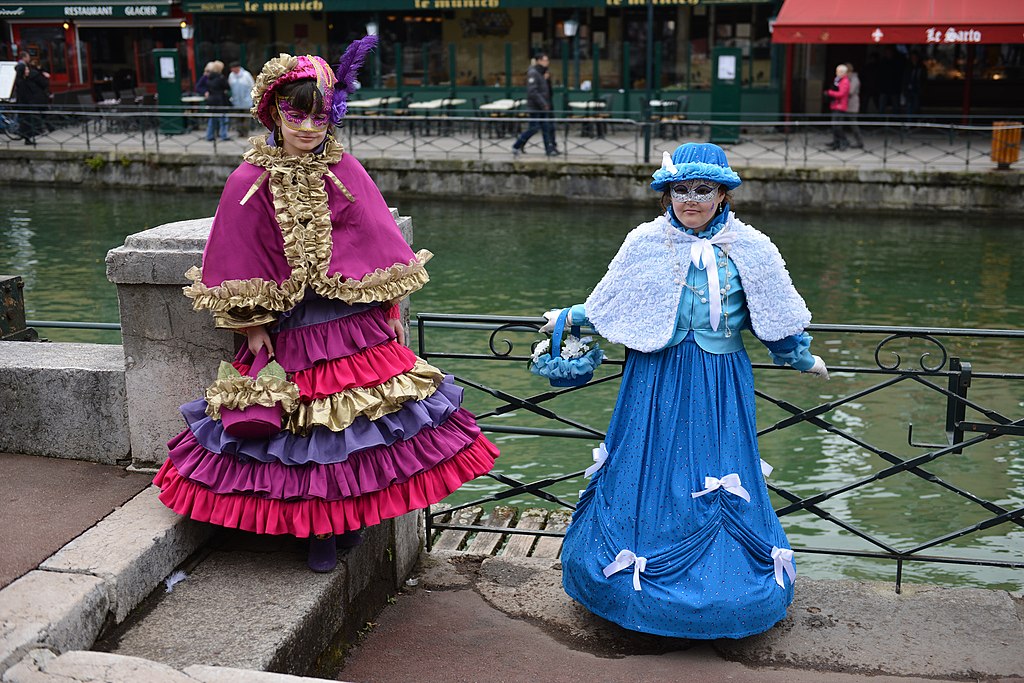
30, 141
832, 147
554, 153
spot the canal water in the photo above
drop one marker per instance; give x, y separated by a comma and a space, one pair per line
510, 258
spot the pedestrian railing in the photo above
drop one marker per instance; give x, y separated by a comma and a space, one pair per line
597, 137
957, 477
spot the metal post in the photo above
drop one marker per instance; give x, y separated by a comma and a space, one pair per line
452, 73
626, 82
399, 77
508, 69
480, 65
565, 76
576, 58
426, 65
648, 79
596, 83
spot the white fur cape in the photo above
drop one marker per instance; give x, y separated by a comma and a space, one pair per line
635, 302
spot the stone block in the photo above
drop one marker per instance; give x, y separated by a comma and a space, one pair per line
250, 610
220, 674
42, 609
42, 666
131, 550
407, 544
371, 562
64, 401
171, 352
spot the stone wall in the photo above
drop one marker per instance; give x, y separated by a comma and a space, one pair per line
64, 401
824, 189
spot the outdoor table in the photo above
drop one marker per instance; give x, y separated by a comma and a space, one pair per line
497, 108
109, 106
501, 105
191, 104
590, 106
444, 104
374, 102
372, 106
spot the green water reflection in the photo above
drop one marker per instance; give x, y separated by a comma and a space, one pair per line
516, 259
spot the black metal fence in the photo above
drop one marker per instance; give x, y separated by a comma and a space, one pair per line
612, 137
965, 384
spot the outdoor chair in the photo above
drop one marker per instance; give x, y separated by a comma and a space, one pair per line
86, 104
668, 115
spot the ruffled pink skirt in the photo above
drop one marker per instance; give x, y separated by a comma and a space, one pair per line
340, 474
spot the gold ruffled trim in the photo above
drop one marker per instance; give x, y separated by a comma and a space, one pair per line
238, 320
298, 186
242, 392
340, 410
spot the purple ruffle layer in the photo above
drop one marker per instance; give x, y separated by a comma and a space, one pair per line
322, 445
302, 347
368, 470
315, 309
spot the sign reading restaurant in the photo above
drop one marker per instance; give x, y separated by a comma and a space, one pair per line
81, 10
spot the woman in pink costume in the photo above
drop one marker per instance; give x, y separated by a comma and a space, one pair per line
305, 259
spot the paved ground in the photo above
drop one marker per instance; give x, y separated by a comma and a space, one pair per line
46, 502
471, 618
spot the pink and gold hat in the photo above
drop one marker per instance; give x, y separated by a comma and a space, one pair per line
334, 87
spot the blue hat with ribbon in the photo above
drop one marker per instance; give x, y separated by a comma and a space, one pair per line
695, 160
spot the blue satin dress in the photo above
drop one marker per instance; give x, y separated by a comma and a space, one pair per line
655, 544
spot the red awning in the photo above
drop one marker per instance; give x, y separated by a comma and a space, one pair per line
913, 22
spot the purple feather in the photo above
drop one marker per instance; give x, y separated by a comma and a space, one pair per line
347, 71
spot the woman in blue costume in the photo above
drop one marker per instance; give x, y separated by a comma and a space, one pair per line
675, 535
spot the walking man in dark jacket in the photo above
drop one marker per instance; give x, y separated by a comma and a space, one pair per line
538, 103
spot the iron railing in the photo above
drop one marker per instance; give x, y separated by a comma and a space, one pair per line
611, 137
968, 421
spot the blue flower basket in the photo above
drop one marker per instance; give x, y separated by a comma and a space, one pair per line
562, 372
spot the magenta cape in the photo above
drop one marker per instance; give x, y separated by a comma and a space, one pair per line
246, 241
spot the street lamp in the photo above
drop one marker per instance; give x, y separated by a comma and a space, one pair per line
571, 29
188, 32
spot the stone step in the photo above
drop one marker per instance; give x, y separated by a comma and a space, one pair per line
250, 602
246, 602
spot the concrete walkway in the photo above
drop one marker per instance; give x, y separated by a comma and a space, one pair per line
249, 603
47, 502
473, 618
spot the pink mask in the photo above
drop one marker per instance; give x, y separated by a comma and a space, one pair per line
296, 119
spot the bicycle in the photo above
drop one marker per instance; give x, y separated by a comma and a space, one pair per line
9, 126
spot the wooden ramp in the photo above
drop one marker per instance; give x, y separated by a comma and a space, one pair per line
502, 544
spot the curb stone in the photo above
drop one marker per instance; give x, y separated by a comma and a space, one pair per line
43, 666
132, 549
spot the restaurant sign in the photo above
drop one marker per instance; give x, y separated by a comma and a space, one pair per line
37, 10
953, 35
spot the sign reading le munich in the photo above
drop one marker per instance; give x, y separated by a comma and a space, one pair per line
341, 5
